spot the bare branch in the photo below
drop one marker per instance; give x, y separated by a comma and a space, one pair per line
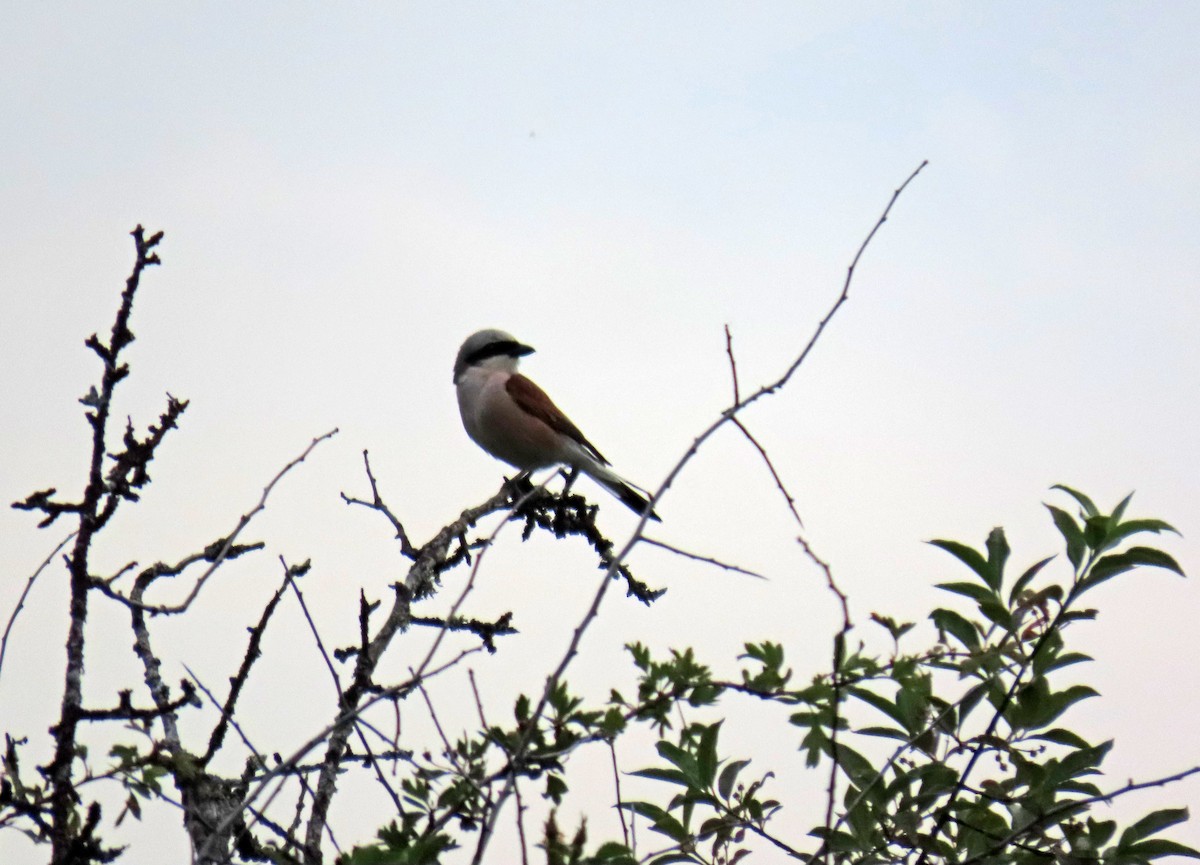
253, 653
126, 711
292, 763
67, 835
733, 373
620, 803
312, 626
706, 559
228, 544
762, 452
25, 594
485, 631
211, 553
377, 504
41, 501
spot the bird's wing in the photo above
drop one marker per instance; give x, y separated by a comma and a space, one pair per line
533, 400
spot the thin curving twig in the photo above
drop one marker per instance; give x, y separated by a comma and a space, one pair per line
25, 594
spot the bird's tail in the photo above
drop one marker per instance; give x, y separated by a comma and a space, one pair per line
621, 488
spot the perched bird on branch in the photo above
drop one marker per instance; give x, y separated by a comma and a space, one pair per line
512, 419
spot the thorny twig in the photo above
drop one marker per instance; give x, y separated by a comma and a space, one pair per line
291, 764
337, 684
227, 544
431, 559
257, 759
699, 558
252, 654
377, 504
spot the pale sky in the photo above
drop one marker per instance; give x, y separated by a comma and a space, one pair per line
349, 191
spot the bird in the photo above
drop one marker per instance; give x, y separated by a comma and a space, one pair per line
514, 420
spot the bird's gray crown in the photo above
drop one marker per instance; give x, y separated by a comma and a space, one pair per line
483, 344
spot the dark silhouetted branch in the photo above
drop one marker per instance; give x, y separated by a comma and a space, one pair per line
126, 711
73, 840
377, 504
252, 654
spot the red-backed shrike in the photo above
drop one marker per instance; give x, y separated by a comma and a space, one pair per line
512, 419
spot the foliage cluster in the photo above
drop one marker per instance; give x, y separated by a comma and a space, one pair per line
985, 769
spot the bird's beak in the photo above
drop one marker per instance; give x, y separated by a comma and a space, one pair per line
520, 350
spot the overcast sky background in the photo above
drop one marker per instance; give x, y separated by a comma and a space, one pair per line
348, 191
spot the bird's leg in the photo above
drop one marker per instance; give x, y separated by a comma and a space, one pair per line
519, 485
570, 474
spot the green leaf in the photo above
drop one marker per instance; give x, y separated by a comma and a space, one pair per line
970, 590
728, 777
980, 828
994, 610
1062, 737
662, 822
855, 765
613, 722
125, 753
896, 629
1117, 563
814, 744
967, 555
998, 550
805, 719
556, 788
707, 754
1095, 532
1119, 510
1089, 507
912, 701
1083, 787
839, 842
1082, 761
1066, 660
1156, 847
521, 708
936, 779
971, 699
1152, 824
1025, 578
862, 819
885, 733
1071, 532
1060, 701
1100, 831
1134, 527
880, 702
948, 621
683, 760
671, 776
